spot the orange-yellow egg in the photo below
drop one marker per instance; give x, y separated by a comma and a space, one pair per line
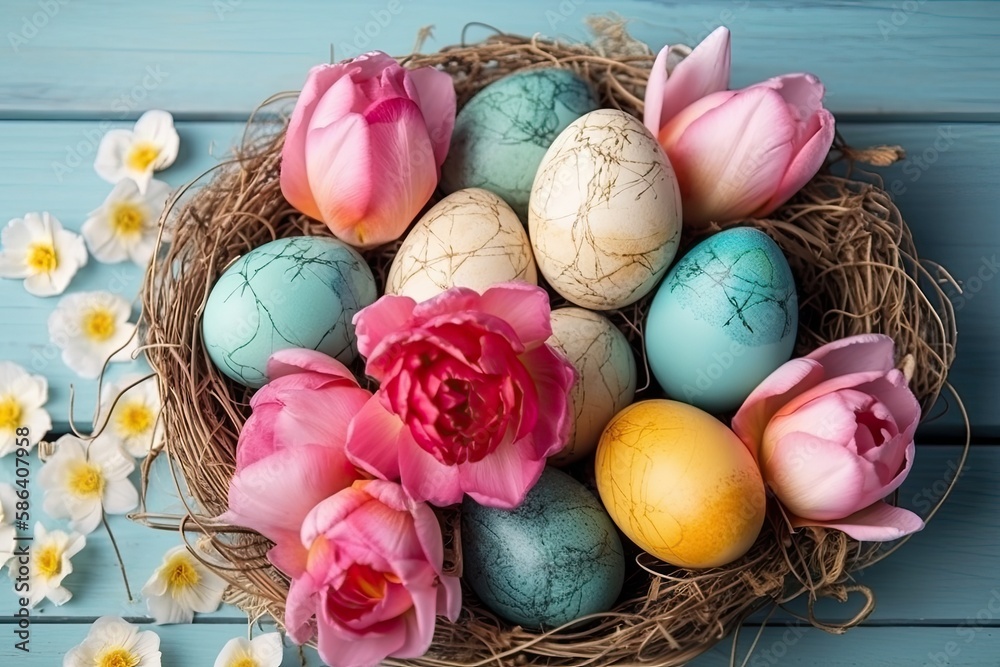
680, 484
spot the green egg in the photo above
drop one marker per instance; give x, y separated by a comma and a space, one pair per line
553, 559
299, 292
503, 132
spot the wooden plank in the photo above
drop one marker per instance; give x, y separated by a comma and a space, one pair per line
937, 578
948, 196
111, 59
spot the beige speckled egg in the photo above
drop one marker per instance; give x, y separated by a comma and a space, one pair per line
471, 238
605, 376
605, 211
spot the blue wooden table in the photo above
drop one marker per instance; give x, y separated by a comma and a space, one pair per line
924, 74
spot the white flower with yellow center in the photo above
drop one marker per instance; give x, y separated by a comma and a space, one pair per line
151, 145
8, 535
80, 485
134, 422
181, 586
263, 651
114, 642
125, 226
21, 399
48, 566
38, 249
89, 327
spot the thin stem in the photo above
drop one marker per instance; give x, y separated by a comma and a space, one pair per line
118, 555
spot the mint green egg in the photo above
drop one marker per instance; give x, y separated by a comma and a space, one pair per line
299, 292
723, 319
503, 132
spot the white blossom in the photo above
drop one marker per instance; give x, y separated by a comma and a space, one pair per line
37, 249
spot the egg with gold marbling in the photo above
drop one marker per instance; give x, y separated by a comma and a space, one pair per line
471, 238
605, 376
680, 484
605, 211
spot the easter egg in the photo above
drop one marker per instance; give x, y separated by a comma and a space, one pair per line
555, 558
471, 238
724, 318
299, 292
680, 484
605, 211
605, 376
502, 133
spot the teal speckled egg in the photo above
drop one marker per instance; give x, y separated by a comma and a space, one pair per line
555, 558
503, 132
296, 292
723, 319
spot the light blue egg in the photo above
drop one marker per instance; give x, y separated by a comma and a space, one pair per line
502, 134
723, 319
290, 293
555, 558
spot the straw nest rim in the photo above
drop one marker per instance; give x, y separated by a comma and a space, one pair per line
856, 269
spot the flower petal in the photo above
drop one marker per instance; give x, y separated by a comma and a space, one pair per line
157, 127
704, 71
524, 307
294, 360
110, 160
434, 93
386, 316
652, 108
503, 478
424, 478
374, 439
879, 522
856, 354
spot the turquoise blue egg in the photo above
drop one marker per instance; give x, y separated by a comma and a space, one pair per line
299, 292
503, 132
723, 319
555, 558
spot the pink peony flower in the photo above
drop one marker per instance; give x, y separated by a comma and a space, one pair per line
833, 435
373, 583
365, 145
290, 454
471, 401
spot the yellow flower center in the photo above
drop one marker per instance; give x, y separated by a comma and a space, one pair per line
10, 413
141, 156
42, 257
86, 480
117, 657
134, 418
48, 561
181, 572
244, 661
99, 325
127, 219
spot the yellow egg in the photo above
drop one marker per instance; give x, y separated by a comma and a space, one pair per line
680, 484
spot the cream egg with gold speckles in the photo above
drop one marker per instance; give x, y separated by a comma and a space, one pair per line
605, 211
680, 484
471, 238
605, 376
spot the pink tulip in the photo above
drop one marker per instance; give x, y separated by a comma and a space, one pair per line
471, 400
736, 153
290, 454
365, 145
373, 584
833, 435
705, 70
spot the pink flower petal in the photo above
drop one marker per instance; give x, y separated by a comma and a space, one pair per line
703, 72
384, 317
339, 164
503, 478
856, 354
652, 107
419, 625
257, 436
789, 380
434, 92
374, 439
320, 418
289, 557
332, 511
805, 164
454, 300
801, 91
524, 307
553, 377
300, 609
403, 172
829, 386
731, 159
287, 362
879, 522
424, 478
